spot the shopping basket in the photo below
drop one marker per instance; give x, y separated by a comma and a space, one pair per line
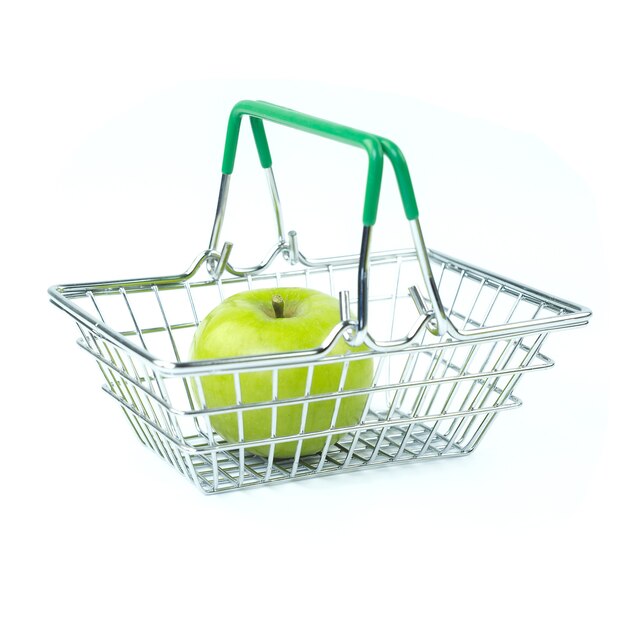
448, 341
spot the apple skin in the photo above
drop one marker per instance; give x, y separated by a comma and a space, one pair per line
245, 324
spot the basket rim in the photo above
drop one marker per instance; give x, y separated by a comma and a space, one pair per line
573, 315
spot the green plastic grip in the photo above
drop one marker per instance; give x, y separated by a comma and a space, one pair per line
403, 178
375, 147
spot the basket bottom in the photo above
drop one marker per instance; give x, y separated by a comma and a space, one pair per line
215, 471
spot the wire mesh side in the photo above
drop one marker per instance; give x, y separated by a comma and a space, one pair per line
431, 403
435, 399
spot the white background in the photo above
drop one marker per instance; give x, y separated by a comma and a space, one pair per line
112, 122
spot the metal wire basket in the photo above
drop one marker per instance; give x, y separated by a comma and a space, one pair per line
448, 341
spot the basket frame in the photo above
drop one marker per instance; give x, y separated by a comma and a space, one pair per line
63, 296
216, 466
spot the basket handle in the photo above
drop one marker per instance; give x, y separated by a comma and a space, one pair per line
376, 148
259, 111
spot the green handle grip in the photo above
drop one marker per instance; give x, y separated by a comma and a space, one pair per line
403, 178
375, 147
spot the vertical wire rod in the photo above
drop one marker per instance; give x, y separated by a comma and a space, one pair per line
305, 410
192, 304
240, 433
419, 400
209, 431
370, 395
406, 375
270, 458
333, 419
450, 358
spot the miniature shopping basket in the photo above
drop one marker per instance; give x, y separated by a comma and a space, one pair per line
448, 341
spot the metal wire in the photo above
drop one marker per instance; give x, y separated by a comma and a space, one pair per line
430, 396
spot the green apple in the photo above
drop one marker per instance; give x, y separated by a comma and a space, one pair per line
265, 321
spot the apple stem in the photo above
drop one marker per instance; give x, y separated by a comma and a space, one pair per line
279, 306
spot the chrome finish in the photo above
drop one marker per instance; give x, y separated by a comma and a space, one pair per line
278, 212
432, 396
220, 211
417, 299
344, 306
440, 319
223, 259
293, 254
